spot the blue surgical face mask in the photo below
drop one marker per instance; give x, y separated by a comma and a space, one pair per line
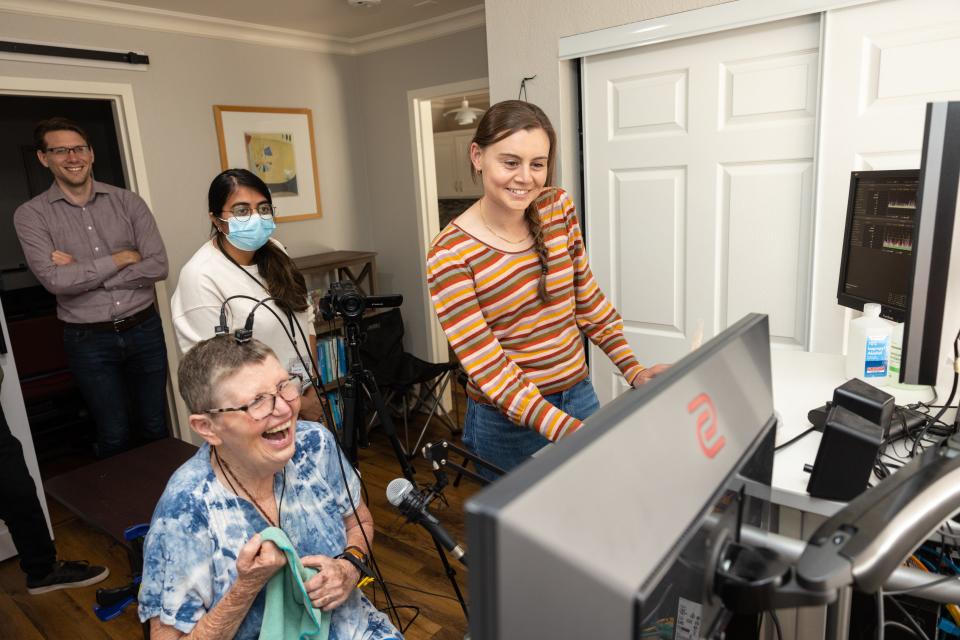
250, 234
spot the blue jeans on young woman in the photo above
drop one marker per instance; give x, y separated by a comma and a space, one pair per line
120, 369
489, 434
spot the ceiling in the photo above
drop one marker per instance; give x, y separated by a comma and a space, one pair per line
334, 18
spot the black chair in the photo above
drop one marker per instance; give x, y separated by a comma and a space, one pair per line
407, 383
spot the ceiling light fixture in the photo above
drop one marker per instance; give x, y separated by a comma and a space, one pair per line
464, 114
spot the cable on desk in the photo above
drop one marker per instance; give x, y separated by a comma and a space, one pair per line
794, 439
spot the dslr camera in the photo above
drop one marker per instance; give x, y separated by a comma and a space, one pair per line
344, 299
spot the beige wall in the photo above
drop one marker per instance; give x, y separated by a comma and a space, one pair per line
174, 98
360, 123
523, 41
385, 77
360, 120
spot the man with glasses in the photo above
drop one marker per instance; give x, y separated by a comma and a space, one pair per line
96, 247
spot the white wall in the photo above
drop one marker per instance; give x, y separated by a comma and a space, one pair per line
384, 78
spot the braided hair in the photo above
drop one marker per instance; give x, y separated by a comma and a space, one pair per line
500, 121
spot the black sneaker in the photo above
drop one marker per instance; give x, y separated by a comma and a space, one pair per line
68, 575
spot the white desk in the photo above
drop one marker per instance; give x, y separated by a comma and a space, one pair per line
803, 381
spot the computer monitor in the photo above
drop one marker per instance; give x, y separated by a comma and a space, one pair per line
878, 241
610, 533
931, 324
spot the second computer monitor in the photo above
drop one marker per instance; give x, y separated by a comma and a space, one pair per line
878, 241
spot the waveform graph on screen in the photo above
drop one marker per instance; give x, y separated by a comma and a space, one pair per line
905, 201
898, 238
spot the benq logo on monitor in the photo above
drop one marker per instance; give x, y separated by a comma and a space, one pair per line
709, 440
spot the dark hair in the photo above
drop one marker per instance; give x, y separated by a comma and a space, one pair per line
282, 279
206, 365
504, 119
55, 124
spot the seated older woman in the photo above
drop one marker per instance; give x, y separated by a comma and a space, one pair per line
205, 566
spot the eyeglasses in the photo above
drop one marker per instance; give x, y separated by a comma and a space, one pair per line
80, 150
242, 212
264, 404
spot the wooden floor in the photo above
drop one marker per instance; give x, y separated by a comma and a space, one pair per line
405, 554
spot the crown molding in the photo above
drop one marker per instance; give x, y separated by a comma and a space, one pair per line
444, 25
118, 14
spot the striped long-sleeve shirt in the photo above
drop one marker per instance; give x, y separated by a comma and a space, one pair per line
515, 347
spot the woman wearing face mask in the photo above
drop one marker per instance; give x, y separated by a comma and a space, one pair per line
242, 259
513, 290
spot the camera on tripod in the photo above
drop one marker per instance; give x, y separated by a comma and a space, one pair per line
346, 300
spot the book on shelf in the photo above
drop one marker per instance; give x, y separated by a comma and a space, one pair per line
333, 398
331, 356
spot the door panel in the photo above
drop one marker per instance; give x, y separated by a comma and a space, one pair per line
15, 412
699, 177
886, 60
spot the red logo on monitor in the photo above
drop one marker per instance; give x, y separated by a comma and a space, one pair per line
707, 437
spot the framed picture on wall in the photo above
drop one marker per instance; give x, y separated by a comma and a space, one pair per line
278, 146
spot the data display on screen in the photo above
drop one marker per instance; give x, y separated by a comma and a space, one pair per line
878, 249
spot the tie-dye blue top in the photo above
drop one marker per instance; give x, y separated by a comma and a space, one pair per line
198, 528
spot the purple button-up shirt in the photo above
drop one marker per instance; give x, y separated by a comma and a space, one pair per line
92, 288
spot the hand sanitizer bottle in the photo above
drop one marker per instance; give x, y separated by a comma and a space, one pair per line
896, 351
868, 347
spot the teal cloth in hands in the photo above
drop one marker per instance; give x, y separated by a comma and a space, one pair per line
288, 612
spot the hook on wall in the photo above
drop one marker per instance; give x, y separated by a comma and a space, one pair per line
523, 88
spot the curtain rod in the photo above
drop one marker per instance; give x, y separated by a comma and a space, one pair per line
70, 52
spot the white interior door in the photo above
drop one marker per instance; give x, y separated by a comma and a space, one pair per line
11, 398
884, 62
699, 181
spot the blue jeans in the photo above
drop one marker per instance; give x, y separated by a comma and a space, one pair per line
489, 434
118, 370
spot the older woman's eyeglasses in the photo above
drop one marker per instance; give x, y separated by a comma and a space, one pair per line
243, 212
263, 405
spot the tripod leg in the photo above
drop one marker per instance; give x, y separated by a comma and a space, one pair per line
370, 385
348, 391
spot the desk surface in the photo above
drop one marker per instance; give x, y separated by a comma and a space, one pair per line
803, 381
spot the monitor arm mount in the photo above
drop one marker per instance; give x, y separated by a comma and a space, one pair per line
862, 546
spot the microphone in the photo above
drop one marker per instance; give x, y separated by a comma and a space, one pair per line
402, 495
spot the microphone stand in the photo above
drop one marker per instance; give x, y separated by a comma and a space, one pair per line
437, 453
452, 577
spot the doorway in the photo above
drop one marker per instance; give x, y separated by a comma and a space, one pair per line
60, 424
444, 188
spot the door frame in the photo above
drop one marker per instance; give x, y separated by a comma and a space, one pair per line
425, 176
695, 22
134, 167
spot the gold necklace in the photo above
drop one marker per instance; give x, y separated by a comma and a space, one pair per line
490, 229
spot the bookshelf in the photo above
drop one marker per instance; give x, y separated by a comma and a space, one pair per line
359, 267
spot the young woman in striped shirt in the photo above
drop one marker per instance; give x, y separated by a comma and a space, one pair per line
512, 286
